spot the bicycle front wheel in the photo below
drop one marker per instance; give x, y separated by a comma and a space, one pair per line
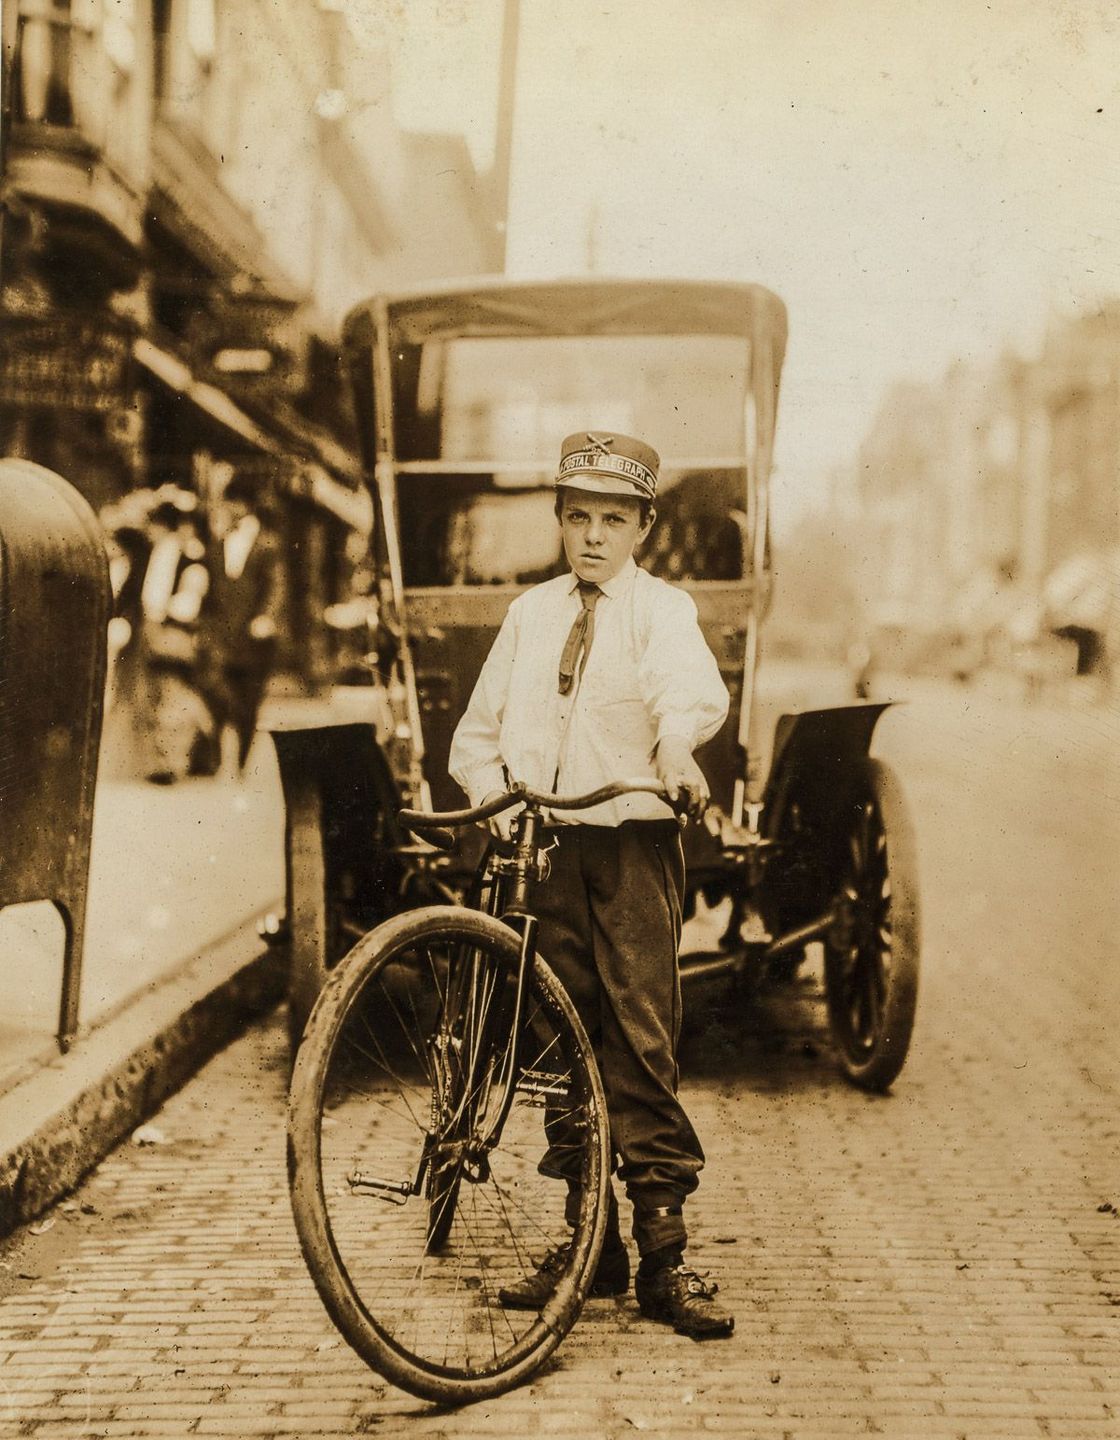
414, 1200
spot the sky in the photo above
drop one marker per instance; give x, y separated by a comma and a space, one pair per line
920, 183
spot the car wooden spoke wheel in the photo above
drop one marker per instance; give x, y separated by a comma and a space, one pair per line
871, 954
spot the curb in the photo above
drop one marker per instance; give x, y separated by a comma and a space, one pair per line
61, 1120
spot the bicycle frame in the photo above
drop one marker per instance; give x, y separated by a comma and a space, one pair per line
508, 901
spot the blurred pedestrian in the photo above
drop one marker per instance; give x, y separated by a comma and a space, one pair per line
127, 546
241, 613
861, 666
179, 726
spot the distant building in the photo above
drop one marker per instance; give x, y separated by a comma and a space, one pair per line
984, 496
902, 496
1073, 393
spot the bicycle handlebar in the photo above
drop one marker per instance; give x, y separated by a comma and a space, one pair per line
444, 820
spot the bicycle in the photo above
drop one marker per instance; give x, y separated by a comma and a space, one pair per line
442, 1050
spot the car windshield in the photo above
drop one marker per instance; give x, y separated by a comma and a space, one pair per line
479, 422
513, 399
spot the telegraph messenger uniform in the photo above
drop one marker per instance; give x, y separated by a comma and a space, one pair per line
602, 674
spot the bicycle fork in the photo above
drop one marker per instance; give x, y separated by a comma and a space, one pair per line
470, 1153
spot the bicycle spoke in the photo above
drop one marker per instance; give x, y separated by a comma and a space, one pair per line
436, 989
491, 1308
505, 1201
461, 1292
378, 1057
413, 1042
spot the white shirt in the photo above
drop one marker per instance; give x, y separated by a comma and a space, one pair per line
649, 674
238, 544
160, 576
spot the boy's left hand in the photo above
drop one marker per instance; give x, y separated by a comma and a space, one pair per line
682, 777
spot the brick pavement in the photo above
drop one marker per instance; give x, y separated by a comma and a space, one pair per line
890, 1275
941, 1263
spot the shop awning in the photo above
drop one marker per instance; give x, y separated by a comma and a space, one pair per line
177, 376
311, 479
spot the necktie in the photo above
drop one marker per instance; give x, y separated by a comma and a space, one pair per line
579, 637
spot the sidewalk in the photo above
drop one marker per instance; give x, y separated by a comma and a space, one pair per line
172, 967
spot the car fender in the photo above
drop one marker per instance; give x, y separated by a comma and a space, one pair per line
817, 760
337, 779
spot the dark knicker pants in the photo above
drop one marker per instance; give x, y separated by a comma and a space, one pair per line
610, 916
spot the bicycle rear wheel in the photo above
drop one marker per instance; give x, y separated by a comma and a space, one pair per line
409, 1225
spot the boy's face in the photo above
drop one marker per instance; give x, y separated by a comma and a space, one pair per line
600, 532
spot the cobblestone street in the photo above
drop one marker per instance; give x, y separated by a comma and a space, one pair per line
942, 1262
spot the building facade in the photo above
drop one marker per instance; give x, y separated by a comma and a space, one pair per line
195, 191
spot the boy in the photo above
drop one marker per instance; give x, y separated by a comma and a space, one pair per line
600, 675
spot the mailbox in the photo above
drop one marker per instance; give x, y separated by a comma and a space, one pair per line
54, 609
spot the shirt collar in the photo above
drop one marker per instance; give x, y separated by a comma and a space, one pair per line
616, 585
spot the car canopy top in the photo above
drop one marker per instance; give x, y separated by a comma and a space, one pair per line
580, 307
386, 336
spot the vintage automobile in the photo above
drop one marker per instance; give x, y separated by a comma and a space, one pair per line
463, 393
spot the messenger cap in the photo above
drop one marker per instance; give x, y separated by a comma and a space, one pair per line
607, 463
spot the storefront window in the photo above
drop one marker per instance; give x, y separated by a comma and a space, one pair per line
119, 32
42, 68
186, 41
201, 30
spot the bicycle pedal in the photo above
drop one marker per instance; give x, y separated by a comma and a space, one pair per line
538, 1087
396, 1192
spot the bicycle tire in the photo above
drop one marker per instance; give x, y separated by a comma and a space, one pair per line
426, 1319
